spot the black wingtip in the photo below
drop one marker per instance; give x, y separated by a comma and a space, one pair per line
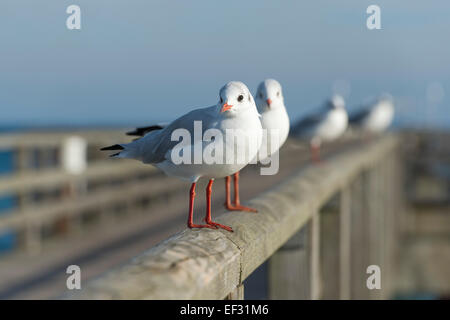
132, 133
113, 147
144, 130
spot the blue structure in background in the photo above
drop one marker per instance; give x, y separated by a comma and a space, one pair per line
7, 239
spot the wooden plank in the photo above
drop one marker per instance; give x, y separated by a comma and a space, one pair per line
209, 264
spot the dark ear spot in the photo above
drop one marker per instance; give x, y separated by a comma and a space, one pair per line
249, 98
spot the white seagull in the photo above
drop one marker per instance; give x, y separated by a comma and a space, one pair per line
377, 117
326, 125
275, 121
235, 110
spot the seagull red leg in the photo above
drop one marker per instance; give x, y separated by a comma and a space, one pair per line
315, 154
237, 203
190, 223
208, 209
228, 193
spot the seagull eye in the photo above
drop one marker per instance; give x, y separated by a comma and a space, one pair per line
240, 98
278, 93
261, 95
221, 100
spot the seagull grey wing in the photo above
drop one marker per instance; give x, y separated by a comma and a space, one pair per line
208, 119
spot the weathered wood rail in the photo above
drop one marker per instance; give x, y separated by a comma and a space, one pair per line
49, 187
319, 230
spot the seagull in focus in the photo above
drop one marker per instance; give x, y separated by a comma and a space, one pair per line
275, 123
235, 110
326, 125
377, 117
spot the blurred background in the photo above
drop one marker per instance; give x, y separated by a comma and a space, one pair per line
65, 93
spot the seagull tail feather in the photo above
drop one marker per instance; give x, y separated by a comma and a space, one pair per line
130, 150
113, 147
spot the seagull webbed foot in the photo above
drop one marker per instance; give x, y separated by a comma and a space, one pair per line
218, 225
239, 207
210, 226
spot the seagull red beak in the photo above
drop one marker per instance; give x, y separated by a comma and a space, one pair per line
226, 107
269, 102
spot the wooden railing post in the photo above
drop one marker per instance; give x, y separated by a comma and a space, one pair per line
330, 249
73, 154
295, 269
33, 241
375, 207
345, 243
393, 197
316, 281
289, 269
31, 233
360, 245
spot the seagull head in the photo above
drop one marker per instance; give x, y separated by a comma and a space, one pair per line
337, 102
269, 95
234, 97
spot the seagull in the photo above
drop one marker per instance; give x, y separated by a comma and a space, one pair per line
326, 125
275, 120
235, 110
377, 117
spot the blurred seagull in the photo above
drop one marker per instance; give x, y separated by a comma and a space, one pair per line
275, 121
324, 126
377, 117
235, 109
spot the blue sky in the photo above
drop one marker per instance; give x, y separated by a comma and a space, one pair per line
135, 62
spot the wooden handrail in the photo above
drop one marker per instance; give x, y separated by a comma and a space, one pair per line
45, 213
54, 138
209, 264
50, 178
